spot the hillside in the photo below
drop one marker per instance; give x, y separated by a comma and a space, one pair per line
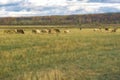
108, 18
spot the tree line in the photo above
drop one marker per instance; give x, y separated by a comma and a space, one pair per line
108, 18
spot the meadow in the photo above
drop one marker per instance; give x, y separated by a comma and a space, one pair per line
78, 55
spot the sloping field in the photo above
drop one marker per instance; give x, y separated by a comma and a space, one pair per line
79, 55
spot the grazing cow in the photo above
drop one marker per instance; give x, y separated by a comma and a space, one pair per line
36, 31
45, 30
57, 30
97, 29
80, 28
10, 31
114, 30
106, 29
66, 31
20, 31
52, 31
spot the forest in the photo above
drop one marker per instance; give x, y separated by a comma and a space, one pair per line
106, 18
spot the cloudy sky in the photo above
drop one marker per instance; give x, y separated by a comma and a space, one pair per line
19, 8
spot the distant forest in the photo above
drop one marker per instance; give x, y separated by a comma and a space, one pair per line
108, 18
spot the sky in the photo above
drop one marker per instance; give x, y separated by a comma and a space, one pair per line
19, 8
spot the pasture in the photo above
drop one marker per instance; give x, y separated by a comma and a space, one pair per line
78, 55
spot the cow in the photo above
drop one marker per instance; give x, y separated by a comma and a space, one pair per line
106, 29
45, 30
66, 31
20, 31
95, 29
80, 28
36, 31
52, 31
57, 30
114, 30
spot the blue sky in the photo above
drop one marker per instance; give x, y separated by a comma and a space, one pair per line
17, 8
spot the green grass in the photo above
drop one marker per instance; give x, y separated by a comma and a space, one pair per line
78, 55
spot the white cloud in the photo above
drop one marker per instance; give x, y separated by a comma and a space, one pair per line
105, 1
9, 1
115, 1
53, 7
47, 2
91, 7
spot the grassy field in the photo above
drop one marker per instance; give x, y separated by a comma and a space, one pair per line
78, 55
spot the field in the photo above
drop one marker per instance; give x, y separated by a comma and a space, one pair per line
78, 55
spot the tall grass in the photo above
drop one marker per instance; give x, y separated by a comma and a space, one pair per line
78, 55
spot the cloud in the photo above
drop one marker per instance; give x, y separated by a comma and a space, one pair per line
105, 1
3, 2
91, 7
56, 7
106, 9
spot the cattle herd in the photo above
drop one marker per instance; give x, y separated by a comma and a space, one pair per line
35, 31
106, 29
52, 31
19, 31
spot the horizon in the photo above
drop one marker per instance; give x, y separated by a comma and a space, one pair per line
31, 8
61, 15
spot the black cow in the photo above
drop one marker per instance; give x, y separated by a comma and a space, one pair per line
107, 29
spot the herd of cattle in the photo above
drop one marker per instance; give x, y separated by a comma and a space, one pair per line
38, 31
106, 29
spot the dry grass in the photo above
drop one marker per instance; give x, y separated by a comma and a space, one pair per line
42, 75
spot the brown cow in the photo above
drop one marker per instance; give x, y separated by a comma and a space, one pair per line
45, 30
114, 30
57, 30
20, 31
52, 31
80, 28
